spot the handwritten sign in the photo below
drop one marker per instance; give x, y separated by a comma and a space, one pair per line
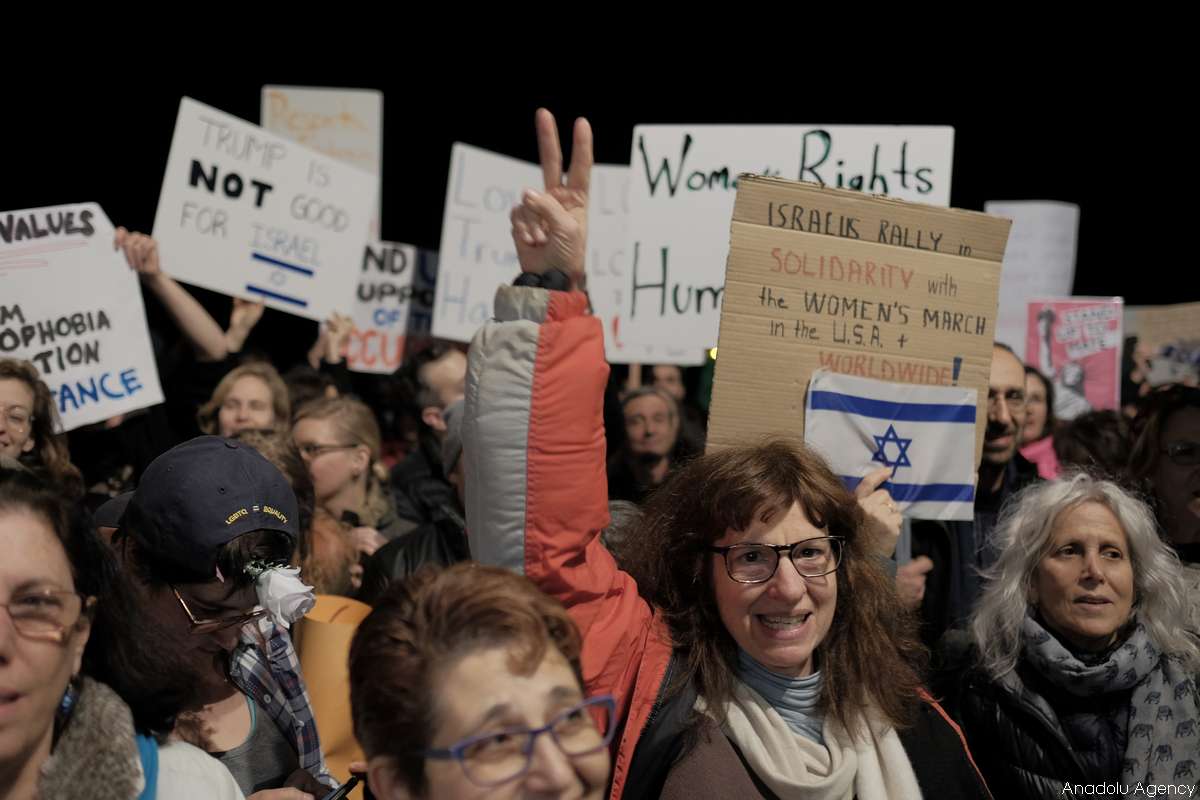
391, 289
1038, 262
608, 272
1169, 338
803, 292
1076, 343
71, 305
249, 213
684, 182
344, 124
478, 255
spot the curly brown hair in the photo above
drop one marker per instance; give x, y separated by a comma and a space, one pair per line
870, 658
49, 456
419, 627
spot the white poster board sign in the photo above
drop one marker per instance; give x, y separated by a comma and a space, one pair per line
682, 194
382, 307
1038, 262
248, 213
344, 124
477, 253
71, 305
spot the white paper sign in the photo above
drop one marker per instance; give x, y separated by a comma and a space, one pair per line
344, 124
248, 213
71, 305
381, 309
681, 203
1039, 261
608, 271
477, 252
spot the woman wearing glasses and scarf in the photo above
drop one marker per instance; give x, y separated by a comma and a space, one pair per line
63, 734
206, 539
1165, 461
761, 651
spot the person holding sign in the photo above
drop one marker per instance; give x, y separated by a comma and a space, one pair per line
764, 653
28, 420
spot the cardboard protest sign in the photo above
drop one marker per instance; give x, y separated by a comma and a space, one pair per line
1169, 339
477, 254
389, 289
1038, 262
70, 304
344, 124
807, 289
249, 213
684, 181
1076, 343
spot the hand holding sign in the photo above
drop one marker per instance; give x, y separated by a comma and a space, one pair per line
550, 229
881, 516
243, 316
141, 251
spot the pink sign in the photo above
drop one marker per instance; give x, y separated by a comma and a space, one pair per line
1076, 343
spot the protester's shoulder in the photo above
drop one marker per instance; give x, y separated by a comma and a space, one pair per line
186, 772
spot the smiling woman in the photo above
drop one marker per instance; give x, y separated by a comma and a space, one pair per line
1080, 668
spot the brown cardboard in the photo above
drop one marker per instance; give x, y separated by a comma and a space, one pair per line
811, 208
1157, 326
888, 312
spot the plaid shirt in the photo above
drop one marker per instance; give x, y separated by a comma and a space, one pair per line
265, 667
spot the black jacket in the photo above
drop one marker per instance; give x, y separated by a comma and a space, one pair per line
1015, 727
958, 550
442, 543
420, 490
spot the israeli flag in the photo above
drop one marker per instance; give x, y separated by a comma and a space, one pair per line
926, 434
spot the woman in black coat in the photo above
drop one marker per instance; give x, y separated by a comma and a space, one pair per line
1077, 670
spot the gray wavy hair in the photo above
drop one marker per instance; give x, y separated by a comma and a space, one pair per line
1023, 538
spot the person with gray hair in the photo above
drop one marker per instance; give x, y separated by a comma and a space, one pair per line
1078, 668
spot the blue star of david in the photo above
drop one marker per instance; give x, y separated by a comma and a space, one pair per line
891, 437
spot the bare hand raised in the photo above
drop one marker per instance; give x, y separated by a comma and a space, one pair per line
550, 227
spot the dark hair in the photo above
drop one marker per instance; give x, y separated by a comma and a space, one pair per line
1154, 410
116, 653
305, 384
419, 628
871, 655
1051, 422
49, 456
1096, 442
421, 394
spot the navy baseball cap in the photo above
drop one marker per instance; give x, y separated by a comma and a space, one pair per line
200, 495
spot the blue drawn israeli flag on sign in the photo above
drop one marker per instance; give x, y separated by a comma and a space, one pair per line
926, 434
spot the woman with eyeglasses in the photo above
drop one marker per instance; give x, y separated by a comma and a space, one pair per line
1165, 463
466, 683
762, 650
340, 442
64, 734
27, 427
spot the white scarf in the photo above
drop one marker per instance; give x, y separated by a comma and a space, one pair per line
871, 767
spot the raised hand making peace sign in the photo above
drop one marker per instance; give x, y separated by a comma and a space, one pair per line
550, 227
